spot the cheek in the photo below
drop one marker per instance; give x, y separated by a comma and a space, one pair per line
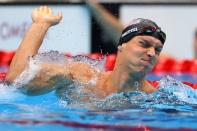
155, 60
136, 51
133, 54
139, 53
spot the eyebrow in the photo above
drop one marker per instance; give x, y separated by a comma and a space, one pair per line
159, 44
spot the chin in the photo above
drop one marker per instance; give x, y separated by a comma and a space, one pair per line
140, 73
144, 71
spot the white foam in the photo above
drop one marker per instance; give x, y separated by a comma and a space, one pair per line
174, 87
9, 93
28, 74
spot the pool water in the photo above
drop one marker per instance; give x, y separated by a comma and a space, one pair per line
172, 107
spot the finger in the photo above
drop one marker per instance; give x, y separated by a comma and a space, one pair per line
58, 17
50, 11
35, 11
45, 8
40, 8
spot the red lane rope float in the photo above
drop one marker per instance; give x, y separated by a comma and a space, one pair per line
176, 66
110, 62
2, 76
90, 126
154, 83
6, 57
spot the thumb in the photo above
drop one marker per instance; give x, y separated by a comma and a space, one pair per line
58, 17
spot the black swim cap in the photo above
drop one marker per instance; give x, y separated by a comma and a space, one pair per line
142, 26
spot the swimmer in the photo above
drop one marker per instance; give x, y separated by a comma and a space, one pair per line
139, 48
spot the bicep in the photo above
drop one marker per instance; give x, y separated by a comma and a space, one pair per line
52, 76
40, 85
48, 78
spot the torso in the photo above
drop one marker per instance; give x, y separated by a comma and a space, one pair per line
95, 82
104, 88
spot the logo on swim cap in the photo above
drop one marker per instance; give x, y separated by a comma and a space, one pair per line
142, 27
129, 31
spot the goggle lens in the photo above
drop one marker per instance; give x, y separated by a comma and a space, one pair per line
151, 29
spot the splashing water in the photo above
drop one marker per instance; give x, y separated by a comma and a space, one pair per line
60, 58
171, 104
170, 92
175, 92
9, 93
95, 63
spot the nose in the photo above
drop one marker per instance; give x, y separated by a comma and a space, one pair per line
151, 52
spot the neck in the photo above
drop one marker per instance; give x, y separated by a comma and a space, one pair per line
126, 81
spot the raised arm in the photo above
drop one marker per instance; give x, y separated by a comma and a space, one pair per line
109, 23
42, 18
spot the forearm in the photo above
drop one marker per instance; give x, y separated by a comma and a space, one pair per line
29, 46
110, 23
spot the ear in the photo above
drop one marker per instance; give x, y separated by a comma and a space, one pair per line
120, 48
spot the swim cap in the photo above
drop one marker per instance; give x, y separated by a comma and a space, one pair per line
142, 26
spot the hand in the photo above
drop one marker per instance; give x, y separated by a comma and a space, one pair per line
44, 15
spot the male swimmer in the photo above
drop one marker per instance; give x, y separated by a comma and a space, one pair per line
139, 48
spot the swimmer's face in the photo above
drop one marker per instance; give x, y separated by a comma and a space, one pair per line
141, 53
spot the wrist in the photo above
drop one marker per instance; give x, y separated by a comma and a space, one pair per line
42, 25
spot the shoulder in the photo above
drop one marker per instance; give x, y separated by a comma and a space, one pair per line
83, 72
